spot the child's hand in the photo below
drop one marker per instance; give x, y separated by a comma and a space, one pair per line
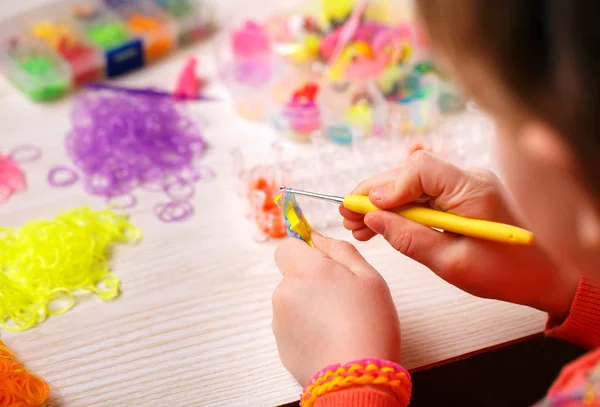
331, 307
487, 269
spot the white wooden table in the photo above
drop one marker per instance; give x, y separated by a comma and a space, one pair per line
192, 326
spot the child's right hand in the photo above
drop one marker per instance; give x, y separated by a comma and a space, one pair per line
518, 274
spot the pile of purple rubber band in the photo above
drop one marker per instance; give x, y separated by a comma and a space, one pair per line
122, 140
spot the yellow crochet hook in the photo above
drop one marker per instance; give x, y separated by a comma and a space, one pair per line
482, 229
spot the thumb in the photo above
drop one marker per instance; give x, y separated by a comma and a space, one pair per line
416, 241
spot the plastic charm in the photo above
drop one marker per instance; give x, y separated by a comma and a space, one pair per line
296, 223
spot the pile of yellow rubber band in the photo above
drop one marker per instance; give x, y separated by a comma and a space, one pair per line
45, 263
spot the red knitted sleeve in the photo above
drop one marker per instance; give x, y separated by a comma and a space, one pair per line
582, 326
358, 397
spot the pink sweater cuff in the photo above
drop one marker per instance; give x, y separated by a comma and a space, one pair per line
359, 397
582, 326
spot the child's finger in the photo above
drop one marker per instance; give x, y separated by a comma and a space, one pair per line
354, 224
424, 175
292, 253
343, 253
375, 181
348, 214
416, 241
364, 234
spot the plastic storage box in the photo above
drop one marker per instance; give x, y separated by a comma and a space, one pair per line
53, 26
192, 16
147, 20
123, 50
33, 67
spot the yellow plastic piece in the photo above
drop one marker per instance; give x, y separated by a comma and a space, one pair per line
337, 9
380, 11
351, 52
449, 222
308, 51
298, 223
361, 115
53, 34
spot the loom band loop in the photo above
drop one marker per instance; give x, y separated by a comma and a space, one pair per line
112, 284
25, 154
174, 211
126, 201
132, 234
205, 173
9, 399
54, 295
180, 191
37, 390
15, 322
62, 176
6, 366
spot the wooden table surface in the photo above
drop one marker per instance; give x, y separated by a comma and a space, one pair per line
192, 326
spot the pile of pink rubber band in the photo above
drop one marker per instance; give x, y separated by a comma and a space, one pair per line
12, 178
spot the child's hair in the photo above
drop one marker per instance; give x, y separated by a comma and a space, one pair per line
544, 53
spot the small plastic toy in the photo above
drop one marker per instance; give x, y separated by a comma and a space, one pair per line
248, 68
418, 113
301, 114
267, 214
187, 83
251, 48
352, 110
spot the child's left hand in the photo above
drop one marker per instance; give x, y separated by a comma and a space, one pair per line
331, 307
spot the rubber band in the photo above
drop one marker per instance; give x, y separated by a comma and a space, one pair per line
45, 263
123, 140
175, 211
359, 373
19, 387
127, 201
180, 190
61, 176
25, 154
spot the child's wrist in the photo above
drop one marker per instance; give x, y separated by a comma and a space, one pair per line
384, 376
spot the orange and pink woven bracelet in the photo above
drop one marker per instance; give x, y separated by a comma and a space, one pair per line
363, 372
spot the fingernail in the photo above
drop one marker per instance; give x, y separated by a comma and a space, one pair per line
376, 194
376, 224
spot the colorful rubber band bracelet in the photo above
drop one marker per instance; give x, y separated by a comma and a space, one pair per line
363, 372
